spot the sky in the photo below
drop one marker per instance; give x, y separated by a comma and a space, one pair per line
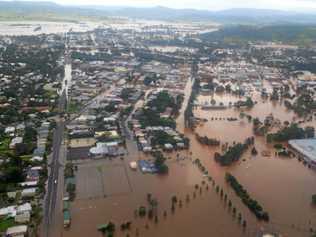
296, 5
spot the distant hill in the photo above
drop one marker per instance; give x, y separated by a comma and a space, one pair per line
14, 10
46, 11
298, 34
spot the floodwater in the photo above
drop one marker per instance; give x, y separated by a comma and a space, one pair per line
283, 186
17, 28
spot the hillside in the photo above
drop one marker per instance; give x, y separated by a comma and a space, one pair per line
28, 10
296, 34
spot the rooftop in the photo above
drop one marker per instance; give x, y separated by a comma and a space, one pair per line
305, 146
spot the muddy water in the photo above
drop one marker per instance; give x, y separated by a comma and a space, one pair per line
282, 186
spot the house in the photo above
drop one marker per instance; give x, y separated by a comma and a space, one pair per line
33, 174
23, 218
147, 149
28, 192
133, 165
19, 231
37, 158
180, 145
86, 118
168, 147
109, 120
107, 148
15, 141
29, 184
26, 207
67, 218
40, 151
9, 130
9, 211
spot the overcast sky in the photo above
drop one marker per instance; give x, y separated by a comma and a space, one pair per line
201, 4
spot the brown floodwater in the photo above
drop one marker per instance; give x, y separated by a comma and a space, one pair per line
282, 186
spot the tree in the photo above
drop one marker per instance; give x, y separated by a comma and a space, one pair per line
310, 132
234, 210
160, 162
239, 217
249, 103
244, 224
174, 199
142, 211
254, 151
314, 199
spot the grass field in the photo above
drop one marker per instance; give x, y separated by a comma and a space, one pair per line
6, 223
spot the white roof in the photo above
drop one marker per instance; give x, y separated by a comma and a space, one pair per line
8, 211
28, 191
26, 207
109, 119
30, 183
37, 158
133, 164
17, 140
9, 129
305, 146
86, 117
23, 217
20, 229
168, 146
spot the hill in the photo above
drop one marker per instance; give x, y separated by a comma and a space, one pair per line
28, 10
292, 34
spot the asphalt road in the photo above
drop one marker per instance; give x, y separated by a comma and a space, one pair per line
52, 216
55, 181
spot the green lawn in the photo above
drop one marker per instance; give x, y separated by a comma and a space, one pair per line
73, 108
4, 144
6, 223
26, 157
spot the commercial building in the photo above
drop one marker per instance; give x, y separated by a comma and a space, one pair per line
306, 148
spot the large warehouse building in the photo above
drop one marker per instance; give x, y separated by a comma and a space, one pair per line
306, 149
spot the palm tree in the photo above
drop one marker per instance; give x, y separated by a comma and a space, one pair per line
244, 224
239, 217
173, 208
234, 211
187, 199
174, 199
149, 197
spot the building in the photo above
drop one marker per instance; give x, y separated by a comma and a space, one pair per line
67, 219
19, 230
15, 141
306, 148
